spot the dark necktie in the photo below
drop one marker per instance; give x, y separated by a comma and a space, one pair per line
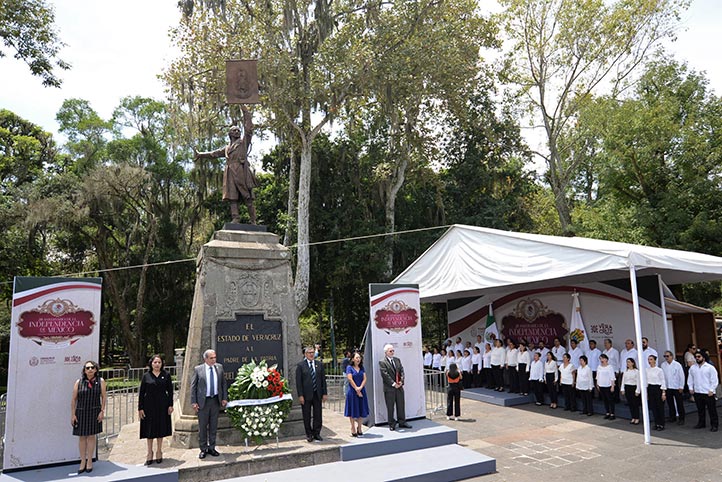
313, 375
212, 380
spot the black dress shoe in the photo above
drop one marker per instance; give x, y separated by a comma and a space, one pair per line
404, 425
713, 429
699, 426
202, 455
88, 470
392, 427
149, 462
213, 452
309, 439
318, 437
81, 471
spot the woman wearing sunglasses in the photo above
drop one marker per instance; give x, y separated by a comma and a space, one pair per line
87, 408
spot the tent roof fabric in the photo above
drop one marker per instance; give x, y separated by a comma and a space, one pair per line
470, 261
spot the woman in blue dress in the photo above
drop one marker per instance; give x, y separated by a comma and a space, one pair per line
357, 403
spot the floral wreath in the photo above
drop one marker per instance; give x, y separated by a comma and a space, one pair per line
259, 401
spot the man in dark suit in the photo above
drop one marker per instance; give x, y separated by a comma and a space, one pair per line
392, 373
311, 389
209, 393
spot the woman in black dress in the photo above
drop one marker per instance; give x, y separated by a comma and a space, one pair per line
155, 404
87, 408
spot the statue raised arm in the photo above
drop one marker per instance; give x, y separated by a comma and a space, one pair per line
238, 178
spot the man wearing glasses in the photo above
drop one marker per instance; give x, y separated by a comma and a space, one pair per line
703, 384
674, 378
209, 393
312, 391
392, 373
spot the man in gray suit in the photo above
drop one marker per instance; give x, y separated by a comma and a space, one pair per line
209, 393
392, 373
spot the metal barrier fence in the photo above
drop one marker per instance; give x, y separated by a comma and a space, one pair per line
435, 385
122, 407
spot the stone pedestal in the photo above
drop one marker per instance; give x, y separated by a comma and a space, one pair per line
244, 286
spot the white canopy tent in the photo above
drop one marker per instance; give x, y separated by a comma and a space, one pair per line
470, 261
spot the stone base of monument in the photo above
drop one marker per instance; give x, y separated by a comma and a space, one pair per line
185, 430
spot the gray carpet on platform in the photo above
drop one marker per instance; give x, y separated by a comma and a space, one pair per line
103, 471
380, 440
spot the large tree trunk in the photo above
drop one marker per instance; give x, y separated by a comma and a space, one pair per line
392, 190
292, 187
303, 260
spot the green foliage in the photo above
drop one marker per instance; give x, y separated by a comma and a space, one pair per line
27, 27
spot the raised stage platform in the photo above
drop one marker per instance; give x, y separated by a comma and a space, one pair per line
503, 399
103, 471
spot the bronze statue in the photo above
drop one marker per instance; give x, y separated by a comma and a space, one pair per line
238, 178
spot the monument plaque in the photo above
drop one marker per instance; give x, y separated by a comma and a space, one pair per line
248, 337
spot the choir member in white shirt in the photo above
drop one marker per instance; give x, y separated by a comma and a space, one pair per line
486, 376
443, 363
476, 360
536, 378
436, 360
628, 352
523, 367
656, 391
593, 357
630, 389
566, 372
674, 376
558, 351
702, 383
551, 376
585, 385
543, 350
459, 346
647, 350
606, 379
466, 369
479, 343
575, 352
512, 359
450, 358
498, 360
428, 358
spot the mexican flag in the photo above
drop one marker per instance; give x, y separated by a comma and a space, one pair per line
491, 332
577, 331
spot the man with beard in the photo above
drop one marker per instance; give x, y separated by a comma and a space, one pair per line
703, 384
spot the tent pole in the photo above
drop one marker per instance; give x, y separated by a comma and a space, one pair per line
640, 363
665, 324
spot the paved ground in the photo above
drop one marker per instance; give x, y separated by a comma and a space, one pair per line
529, 443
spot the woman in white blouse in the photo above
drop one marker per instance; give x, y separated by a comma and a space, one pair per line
585, 384
512, 359
656, 392
523, 367
443, 363
551, 376
498, 360
436, 360
606, 379
536, 378
451, 358
486, 376
476, 367
566, 371
466, 369
630, 389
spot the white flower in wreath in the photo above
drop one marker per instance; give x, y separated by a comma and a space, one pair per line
265, 383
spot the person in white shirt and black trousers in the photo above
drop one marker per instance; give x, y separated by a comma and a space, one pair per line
656, 391
702, 383
674, 376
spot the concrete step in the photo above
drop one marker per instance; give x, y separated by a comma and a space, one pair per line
503, 399
437, 464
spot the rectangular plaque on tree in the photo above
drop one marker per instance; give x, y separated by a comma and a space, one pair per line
248, 337
242, 82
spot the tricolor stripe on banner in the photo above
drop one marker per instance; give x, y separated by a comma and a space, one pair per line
29, 295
